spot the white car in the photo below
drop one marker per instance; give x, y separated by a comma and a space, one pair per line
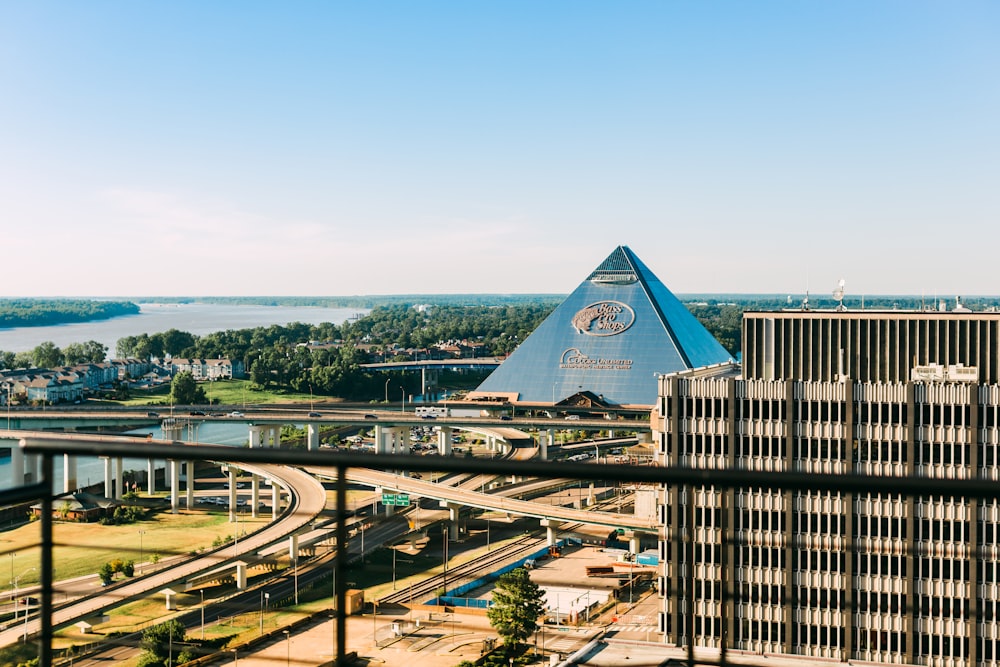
235, 414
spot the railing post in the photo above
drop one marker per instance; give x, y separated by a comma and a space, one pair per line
45, 611
339, 569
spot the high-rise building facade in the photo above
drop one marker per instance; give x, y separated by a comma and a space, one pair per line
870, 576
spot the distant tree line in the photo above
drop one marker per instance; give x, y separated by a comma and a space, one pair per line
46, 312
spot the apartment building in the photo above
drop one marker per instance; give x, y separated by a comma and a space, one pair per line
868, 576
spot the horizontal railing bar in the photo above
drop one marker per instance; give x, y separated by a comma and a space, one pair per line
675, 475
23, 494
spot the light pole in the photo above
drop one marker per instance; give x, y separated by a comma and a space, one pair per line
387, 381
264, 598
17, 579
394, 568
236, 659
141, 533
288, 648
202, 591
404, 399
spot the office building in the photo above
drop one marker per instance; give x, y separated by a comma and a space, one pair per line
864, 576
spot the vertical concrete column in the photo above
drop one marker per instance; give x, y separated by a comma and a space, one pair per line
275, 499
293, 549
107, 476
189, 487
312, 437
241, 575
17, 462
633, 543
232, 494
118, 477
275, 436
550, 527
453, 510
150, 476
254, 495
444, 440
69, 473
175, 485
380, 440
255, 433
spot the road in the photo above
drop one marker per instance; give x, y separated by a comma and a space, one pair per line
309, 499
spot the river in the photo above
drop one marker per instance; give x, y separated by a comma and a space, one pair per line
195, 318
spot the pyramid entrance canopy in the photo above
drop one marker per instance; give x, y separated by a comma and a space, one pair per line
617, 331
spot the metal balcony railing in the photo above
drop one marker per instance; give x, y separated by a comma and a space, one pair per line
341, 462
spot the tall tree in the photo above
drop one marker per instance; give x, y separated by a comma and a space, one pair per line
47, 355
185, 391
517, 604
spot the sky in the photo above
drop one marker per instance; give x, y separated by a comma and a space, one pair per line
398, 147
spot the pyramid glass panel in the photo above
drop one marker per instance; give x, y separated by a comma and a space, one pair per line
612, 336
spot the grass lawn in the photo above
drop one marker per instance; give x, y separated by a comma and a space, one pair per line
81, 548
231, 392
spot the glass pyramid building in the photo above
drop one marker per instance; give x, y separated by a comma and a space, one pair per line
611, 337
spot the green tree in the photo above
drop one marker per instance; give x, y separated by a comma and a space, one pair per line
517, 604
106, 573
47, 355
160, 641
185, 391
81, 353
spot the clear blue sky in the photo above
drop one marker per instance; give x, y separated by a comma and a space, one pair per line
337, 148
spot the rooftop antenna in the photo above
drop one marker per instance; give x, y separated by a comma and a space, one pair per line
838, 295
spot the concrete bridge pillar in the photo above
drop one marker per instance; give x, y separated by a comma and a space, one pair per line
546, 439
312, 437
274, 433
293, 549
381, 440
401, 444
150, 476
255, 436
444, 440
551, 526
453, 511
69, 474
107, 476
241, 575
118, 477
275, 499
232, 494
17, 463
254, 495
189, 484
175, 484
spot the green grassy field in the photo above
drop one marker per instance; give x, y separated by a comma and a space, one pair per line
81, 548
231, 392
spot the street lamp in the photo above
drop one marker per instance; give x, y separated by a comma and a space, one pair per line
17, 579
264, 599
202, 591
403, 409
141, 533
288, 647
387, 381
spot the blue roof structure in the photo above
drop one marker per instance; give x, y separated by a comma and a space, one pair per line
611, 337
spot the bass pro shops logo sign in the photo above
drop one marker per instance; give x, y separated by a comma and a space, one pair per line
604, 318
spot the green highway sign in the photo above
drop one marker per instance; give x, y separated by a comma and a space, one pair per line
398, 499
